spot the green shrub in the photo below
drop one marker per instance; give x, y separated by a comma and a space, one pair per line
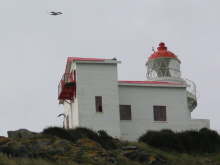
190, 140
59, 132
164, 139
106, 140
210, 140
73, 135
81, 132
203, 141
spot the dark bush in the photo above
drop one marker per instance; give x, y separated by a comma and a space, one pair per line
164, 139
210, 140
57, 131
190, 140
106, 140
81, 132
203, 141
73, 135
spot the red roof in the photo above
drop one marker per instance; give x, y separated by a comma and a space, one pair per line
162, 52
70, 59
151, 82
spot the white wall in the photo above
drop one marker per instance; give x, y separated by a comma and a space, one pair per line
94, 79
142, 100
66, 112
71, 110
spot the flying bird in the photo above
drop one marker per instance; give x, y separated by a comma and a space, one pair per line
54, 13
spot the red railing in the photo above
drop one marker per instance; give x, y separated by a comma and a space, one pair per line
66, 79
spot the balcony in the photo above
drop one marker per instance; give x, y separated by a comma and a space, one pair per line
191, 95
67, 87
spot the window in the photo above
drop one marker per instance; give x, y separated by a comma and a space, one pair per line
160, 113
98, 103
125, 112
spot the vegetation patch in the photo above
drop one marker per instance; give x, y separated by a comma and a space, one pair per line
74, 135
57, 146
202, 141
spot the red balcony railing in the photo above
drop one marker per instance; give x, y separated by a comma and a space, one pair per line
66, 87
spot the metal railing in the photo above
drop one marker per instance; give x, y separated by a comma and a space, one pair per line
66, 78
191, 94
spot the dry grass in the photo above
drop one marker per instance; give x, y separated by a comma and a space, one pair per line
4, 160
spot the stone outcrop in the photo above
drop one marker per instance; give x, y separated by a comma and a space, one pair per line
21, 133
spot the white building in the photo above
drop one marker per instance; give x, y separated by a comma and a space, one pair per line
93, 97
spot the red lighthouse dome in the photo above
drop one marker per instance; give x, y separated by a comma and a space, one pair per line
162, 52
163, 65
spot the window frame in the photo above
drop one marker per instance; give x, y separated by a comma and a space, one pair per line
159, 113
123, 118
98, 104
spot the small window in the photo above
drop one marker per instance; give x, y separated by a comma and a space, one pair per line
125, 112
98, 103
160, 113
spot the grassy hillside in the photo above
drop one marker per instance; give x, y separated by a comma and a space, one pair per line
55, 146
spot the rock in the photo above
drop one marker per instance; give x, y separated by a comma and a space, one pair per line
21, 133
112, 160
161, 159
157, 160
142, 157
139, 156
129, 148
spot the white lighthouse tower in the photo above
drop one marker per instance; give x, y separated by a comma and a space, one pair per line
163, 65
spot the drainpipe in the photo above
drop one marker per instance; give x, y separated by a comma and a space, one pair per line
71, 114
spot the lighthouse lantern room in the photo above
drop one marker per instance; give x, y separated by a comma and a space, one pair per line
163, 65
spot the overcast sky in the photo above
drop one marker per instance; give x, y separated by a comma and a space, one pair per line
34, 47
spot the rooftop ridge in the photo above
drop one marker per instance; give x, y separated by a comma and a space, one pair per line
150, 82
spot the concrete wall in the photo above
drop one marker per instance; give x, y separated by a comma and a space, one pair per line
142, 100
66, 112
71, 110
96, 79
197, 124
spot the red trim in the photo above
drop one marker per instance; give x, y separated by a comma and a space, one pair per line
70, 59
162, 52
150, 82
74, 74
67, 86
